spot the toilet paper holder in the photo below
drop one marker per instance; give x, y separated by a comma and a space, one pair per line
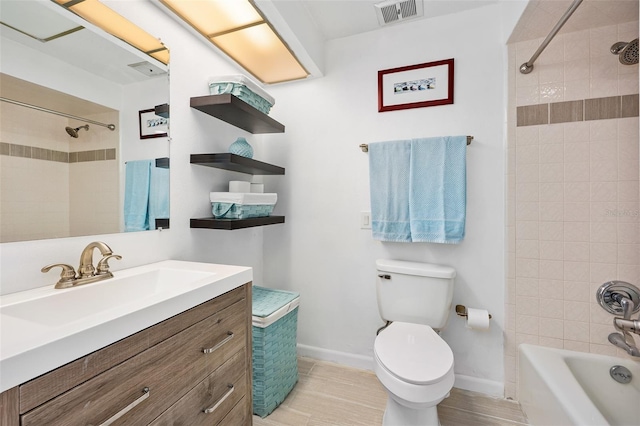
461, 311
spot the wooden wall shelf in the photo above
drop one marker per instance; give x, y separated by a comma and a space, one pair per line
236, 163
234, 111
230, 224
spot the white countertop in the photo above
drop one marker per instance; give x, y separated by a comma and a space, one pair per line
62, 325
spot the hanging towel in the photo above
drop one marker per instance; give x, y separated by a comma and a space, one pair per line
158, 195
389, 164
437, 194
136, 195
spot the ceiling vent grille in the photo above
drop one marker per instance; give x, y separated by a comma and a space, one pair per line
392, 11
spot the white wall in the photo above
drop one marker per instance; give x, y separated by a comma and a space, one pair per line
322, 253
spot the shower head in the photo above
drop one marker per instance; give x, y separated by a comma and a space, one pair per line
627, 52
74, 132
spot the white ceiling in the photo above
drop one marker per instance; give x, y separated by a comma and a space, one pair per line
90, 48
343, 18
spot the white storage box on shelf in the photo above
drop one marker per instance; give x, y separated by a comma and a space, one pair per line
238, 205
243, 88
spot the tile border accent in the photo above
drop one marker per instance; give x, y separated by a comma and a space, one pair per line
26, 151
624, 106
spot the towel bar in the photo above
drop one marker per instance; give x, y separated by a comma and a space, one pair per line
365, 147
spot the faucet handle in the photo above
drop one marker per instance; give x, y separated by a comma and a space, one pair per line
67, 276
103, 264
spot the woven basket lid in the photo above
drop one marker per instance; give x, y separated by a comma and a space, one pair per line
267, 300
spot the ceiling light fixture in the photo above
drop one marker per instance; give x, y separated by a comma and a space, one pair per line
105, 18
239, 29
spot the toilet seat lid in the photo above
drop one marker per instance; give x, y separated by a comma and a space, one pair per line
413, 353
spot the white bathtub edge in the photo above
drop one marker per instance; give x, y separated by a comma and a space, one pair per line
574, 406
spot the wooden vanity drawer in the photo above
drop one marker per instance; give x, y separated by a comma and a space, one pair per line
169, 370
46, 387
211, 400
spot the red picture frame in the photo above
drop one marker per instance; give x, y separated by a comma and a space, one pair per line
416, 86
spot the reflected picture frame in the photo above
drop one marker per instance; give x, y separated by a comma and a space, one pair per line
416, 86
152, 125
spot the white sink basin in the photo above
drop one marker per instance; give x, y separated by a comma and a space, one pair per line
83, 302
45, 328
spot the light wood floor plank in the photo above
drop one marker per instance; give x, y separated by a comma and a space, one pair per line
482, 404
328, 394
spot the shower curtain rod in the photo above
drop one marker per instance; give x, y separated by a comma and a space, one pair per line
365, 147
50, 111
527, 67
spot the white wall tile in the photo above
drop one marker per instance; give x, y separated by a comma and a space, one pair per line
552, 231
578, 192
576, 330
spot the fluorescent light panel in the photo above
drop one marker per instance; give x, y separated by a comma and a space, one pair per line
31, 19
104, 17
238, 29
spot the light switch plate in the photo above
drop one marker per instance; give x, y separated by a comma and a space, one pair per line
365, 220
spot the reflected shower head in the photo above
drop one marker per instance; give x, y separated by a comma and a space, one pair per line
627, 52
74, 132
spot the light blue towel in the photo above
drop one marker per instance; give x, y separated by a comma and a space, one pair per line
437, 194
136, 195
389, 186
158, 195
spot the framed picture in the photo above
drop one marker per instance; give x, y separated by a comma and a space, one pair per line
416, 86
152, 125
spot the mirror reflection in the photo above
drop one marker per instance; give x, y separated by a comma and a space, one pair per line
63, 171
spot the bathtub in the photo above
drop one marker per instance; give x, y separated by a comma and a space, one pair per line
560, 387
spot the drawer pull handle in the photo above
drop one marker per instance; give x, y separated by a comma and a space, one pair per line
216, 347
217, 404
125, 410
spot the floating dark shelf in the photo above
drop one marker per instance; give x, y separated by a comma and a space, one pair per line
234, 111
230, 224
236, 163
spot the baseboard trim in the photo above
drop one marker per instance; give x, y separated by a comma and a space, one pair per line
475, 384
351, 360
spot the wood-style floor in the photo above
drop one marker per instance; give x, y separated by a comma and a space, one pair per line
333, 395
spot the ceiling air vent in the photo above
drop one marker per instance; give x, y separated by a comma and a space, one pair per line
147, 68
391, 11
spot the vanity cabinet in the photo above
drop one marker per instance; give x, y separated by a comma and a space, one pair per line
191, 369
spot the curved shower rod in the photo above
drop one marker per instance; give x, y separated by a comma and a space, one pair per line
50, 111
527, 67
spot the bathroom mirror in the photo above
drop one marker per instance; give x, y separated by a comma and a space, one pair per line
62, 167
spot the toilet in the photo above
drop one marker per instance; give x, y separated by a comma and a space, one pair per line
411, 360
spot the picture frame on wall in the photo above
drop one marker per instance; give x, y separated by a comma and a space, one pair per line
152, 125
416, 86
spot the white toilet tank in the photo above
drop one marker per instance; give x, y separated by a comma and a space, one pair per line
418, 293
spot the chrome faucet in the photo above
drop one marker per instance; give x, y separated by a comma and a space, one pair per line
87, 273
619, 297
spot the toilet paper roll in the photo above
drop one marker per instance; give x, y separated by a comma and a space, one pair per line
239, 186
477, 319
257, 188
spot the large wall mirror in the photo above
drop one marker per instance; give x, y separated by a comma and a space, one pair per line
84, 144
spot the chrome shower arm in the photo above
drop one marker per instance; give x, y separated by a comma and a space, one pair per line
62, 114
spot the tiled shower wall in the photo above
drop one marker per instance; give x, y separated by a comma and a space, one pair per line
52, 184
573, 194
